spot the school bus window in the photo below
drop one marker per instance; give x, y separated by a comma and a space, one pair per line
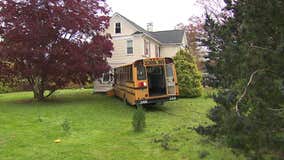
120, 75
115, 76
130, 73
124, 74
106, 77
141, 75
169, 70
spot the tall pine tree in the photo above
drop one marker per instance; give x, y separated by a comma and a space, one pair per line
247, 57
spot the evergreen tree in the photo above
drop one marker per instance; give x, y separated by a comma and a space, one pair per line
189, 78
247, 57
139, 119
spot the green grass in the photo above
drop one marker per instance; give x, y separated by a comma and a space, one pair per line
101, 129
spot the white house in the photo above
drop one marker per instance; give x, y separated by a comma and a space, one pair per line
132, 42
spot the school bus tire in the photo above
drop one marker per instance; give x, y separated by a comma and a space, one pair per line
125, 100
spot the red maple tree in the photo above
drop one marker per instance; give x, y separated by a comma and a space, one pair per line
50, 43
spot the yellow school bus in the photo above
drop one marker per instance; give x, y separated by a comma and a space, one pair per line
146, 81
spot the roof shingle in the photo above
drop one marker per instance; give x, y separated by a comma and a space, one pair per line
170, 36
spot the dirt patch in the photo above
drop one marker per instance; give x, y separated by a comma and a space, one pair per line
24, 101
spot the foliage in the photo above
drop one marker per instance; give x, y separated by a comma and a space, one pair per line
138, 119
246, 56
4, 88
214, 8
189, 78
14, 86
194, 33
66, 126
203, 154
210, 92
50, 43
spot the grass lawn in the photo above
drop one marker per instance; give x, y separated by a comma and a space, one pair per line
101, 129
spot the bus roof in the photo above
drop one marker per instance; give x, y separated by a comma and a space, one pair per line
152, 59
139, 60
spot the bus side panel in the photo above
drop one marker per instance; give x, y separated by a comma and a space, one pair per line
126, 91
142, 93
118, 92
130, 92
131, 98
124, 83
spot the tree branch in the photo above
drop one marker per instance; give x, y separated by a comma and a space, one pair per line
259, 47
245, 90
50, 93
274, 109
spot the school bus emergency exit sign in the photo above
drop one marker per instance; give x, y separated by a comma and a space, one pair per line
154, 61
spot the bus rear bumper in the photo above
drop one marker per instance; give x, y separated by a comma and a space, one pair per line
156, 100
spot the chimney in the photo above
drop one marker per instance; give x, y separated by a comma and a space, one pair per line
150, 27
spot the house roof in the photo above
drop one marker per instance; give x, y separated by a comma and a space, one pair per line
171, 36
165, 37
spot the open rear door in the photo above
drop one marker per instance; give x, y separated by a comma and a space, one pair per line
170, 82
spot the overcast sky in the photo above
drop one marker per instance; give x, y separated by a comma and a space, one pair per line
164, 14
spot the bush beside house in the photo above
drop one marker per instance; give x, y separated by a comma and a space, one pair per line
189, 77
3, 88
13, 86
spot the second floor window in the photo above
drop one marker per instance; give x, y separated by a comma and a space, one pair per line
146, 48
157, 51
129, 46
117, 28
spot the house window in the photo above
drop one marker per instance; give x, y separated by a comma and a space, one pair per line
107, 77
157, 51
129, 46
117, 28
146, 48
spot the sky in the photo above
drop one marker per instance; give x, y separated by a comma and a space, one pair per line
164, 14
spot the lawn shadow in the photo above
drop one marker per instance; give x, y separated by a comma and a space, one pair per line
155, 108
61, 99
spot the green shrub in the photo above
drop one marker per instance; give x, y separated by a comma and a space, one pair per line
166, 142
138, 121
4, 89
66, 126
189, 78
14, 86
203, 154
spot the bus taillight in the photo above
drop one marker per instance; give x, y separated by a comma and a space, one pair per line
142, 84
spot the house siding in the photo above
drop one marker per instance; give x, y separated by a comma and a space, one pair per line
126, 28
120, 56
169, 50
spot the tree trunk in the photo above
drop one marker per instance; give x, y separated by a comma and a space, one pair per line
38, 89
38, 92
